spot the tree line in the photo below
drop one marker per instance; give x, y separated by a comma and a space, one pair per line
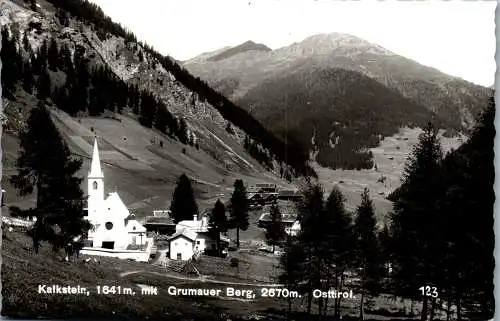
294, 155
437, 246
75, 86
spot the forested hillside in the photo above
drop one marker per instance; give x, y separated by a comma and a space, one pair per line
79, 80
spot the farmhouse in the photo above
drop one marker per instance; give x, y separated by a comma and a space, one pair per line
160, 223
114, 230
286, 219
192, 238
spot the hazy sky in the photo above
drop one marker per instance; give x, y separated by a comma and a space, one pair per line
455, 36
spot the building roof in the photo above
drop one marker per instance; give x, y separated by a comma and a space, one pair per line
134, 226
158, 220
197, 226
95, 168
285, 218
115, 204
190, 235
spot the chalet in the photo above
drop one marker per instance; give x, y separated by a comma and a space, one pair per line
289, 195
266, 188
182, 245
196, 239
286, 219
160, 224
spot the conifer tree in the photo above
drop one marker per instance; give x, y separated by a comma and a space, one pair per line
367, 249
415, 237
59, 206
53, 55
275, 231
26, 43
239, 209
292, 266
183, 206
338, 242
44, 86
218, 223
28, 79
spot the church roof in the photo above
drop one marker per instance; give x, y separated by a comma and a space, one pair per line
139, 228
95, 168
115, 204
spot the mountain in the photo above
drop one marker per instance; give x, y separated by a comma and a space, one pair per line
340, 70
154, 121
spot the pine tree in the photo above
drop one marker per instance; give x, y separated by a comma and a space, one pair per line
28, 79
338, 242
53, 55
11, 64
44, 87
183, 134
183, 206
42, 57
59, 207
367, 249
239, 209
218, 223
275, 231
415, 236
466, 256
26, 43
292, 264
310, 215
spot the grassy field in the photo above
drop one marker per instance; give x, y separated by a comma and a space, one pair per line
390, 158
23, 272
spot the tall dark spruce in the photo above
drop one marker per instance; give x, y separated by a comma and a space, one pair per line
416, 236
239, 209
183, 205
59, 206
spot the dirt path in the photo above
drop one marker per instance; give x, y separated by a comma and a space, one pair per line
202, 279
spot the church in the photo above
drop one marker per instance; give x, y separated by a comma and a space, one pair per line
114, 229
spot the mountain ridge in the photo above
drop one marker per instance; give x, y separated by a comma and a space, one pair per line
246, 77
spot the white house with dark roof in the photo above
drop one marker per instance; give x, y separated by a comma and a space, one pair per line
115, 232
182, 245
196, 239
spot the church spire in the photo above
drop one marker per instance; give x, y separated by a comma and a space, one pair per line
95, 168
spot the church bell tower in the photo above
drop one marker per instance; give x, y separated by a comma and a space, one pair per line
95, 182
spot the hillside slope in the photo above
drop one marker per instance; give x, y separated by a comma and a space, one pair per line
142, 162
255, 80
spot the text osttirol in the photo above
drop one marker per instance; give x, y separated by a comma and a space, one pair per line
59, 289
333, 294
172, 290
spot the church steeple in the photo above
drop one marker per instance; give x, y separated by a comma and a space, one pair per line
95, 183
95, 168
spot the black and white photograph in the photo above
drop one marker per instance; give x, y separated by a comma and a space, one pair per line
248, 159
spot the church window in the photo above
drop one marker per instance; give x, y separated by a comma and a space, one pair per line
95, 185
109, 225
198, 242
134, 228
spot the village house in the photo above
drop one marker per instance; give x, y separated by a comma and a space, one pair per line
192, 238
114, 230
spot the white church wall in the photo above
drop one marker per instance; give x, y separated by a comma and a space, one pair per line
140, 256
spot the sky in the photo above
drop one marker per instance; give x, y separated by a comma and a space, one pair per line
455, 36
